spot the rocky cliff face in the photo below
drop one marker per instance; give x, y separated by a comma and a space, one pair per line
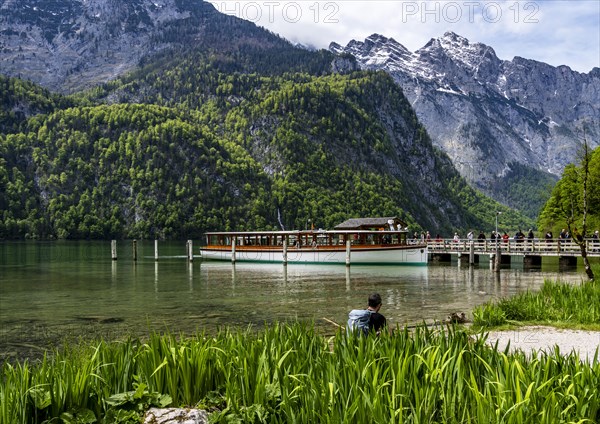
487, 113
68, 45
72, 45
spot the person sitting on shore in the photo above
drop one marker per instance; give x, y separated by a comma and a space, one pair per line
367, 320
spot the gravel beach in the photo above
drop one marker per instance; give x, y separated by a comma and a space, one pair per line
546, 338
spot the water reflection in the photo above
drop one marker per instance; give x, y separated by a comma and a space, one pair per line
348, 285
156, 280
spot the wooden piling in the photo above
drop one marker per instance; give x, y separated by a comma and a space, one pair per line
285, 250
497, 258
113, 250
134, 250
463, 259
233, 250
348, 244
472, 253
190, 249
156, 250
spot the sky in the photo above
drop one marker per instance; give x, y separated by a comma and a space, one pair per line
558, 32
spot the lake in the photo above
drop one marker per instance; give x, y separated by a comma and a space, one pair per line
63, 290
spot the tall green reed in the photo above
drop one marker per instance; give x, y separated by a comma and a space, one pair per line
288, 373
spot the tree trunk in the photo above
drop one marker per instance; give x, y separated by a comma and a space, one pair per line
586, 262
582, 243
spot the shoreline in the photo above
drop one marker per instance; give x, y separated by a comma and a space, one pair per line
546, 339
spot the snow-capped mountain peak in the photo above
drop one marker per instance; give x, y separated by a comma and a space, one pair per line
376, 51
488, 113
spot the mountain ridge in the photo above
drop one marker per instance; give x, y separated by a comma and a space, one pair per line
489, 114
70, 45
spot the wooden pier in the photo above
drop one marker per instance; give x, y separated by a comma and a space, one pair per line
466, 251
500, 252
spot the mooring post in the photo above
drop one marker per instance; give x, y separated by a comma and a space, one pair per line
348, 244
113, 250
190, 246
472, 253
134, 245
497, 258
285, 248
156, 250
233, 250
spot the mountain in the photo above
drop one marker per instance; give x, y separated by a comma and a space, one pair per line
501, 122
70, 45
239, 130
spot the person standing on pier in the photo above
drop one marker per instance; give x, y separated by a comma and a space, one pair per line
549, 237
481, 237
530, 237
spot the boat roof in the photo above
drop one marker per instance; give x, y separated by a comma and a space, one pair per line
298, 232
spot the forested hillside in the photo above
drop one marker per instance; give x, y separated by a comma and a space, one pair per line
524, 188
22, 99
255, 152
125, 170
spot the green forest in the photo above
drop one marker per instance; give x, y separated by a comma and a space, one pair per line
525, 188
252, 152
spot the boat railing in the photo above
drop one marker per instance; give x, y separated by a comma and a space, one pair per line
308, 238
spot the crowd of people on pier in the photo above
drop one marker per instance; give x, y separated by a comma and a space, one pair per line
519, 237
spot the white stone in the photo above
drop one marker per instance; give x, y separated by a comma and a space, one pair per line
176, 416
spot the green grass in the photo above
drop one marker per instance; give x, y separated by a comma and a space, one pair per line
288, 373
558, 304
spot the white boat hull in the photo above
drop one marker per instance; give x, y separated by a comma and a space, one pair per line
417, 255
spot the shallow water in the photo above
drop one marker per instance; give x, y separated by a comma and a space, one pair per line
53, 290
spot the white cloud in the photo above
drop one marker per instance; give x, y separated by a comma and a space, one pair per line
558, 32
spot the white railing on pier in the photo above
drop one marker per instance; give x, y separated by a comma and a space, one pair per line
535, 247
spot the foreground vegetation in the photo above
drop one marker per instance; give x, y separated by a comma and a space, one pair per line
289, 373
556, 303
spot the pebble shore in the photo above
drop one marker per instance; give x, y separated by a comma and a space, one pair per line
541, 338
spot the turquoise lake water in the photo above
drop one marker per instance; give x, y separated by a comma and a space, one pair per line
51, 291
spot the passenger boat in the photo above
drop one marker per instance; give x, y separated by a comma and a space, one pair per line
383, 245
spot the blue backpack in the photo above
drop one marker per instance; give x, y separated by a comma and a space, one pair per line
358, 320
